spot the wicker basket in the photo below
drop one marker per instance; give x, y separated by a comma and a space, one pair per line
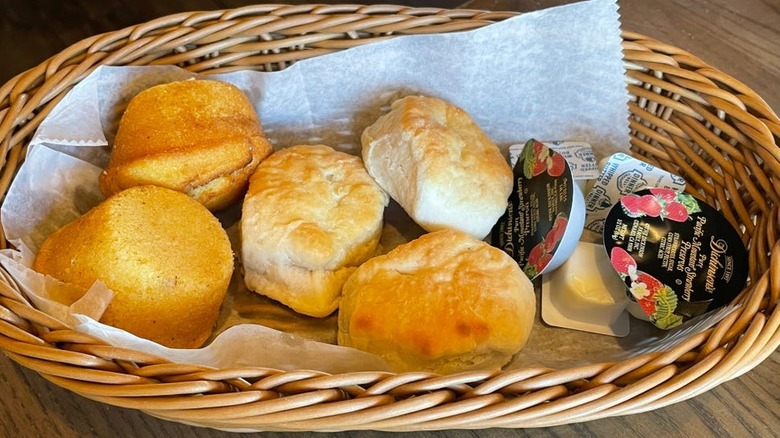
686, 117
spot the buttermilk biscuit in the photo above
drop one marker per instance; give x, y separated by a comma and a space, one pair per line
311, 216
165, 256
444, 302
438, 165
200, 137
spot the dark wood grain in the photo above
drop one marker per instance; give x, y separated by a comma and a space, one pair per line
739, 38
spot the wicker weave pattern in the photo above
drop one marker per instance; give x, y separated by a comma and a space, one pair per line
686, 117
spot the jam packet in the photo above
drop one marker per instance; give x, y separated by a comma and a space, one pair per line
545, 213
677, 256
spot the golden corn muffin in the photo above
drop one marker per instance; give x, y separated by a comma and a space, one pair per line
435, 161
165, 256
200, 137
311, 215
444, 303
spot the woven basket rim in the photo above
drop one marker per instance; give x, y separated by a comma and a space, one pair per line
682, 108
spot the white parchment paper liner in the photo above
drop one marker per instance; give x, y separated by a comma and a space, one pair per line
555, 73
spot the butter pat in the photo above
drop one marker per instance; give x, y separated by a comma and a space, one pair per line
586, 294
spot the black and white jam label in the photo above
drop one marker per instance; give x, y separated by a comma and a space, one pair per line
539, 208
678, 256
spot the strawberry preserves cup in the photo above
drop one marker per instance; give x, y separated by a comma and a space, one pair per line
545, 213
678, 256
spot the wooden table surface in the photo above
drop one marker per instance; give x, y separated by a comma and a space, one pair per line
740, 38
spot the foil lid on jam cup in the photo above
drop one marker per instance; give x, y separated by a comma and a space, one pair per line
678, 256
545, 213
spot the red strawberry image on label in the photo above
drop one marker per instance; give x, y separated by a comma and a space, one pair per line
543, 262
541, 254
556, 165
559, 227
621, 261
643, 285
638, 206
538, 148
535, 254
650, 205
555, 234
657, 300
675, 206
550, 241
676, 211
689, 202
647, 305
539, 167
534, 157
666, 195
651, 283
630, 204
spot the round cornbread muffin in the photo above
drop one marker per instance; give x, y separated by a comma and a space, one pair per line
164, 255
444, 303
310, 217
200, 137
